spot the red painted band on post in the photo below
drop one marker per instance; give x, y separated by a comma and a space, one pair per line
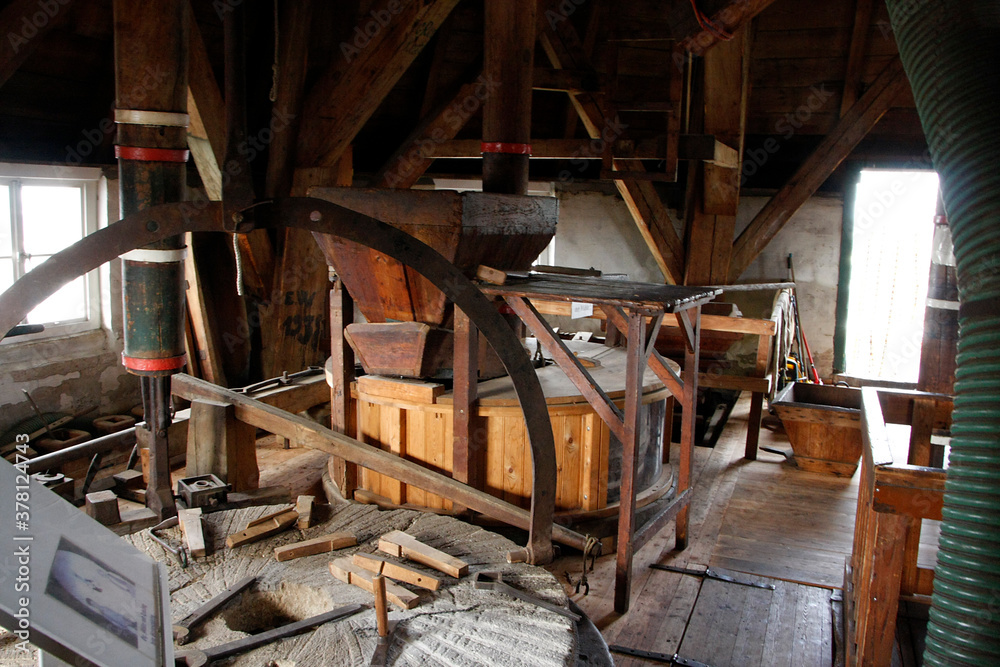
501, 147
152, 154
168, 364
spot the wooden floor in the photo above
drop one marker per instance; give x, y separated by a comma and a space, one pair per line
790, 527
763, 518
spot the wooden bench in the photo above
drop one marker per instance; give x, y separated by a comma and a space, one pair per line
893, 499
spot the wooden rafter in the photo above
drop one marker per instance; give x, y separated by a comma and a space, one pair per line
415, 155
350, 91
856, 54
836, 146
24, 24
564, 49
729, 19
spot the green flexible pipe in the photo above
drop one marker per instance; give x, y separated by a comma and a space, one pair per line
951, 53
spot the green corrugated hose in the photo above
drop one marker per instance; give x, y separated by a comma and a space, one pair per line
951, 53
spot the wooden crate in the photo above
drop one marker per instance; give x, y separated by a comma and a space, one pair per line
823, 423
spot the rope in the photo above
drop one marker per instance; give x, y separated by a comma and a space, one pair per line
239, 265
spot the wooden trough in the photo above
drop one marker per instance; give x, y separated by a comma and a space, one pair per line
823, 423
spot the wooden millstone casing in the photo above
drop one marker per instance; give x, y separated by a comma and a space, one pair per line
414, 420
505, 232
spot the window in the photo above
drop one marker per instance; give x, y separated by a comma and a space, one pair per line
889, 269
42, 211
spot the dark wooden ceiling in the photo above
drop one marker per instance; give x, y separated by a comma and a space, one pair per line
54, 106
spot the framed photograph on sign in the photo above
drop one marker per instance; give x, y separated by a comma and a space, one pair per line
83, 594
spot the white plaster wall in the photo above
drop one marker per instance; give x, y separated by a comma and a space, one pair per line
596, 231
812, 235
70, 373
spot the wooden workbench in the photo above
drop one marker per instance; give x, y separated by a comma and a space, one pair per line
627, 306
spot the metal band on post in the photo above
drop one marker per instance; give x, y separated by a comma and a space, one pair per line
154, 118
504, 148
140, 154
154, 365
154, 256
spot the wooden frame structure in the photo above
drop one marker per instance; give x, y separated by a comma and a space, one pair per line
627, 306
893, 499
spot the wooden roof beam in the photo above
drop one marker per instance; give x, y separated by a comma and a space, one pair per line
856, 54
564, 50
381, 48
405, 166
729, 19
836, 146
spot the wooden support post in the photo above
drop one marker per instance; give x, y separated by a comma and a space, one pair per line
220, 444
712, 210
508, 49
689, 405
343, 473
635, 365
883, 590
467, 460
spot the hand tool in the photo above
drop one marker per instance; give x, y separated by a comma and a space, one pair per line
493, 581
382, 624
182, 631
198, 658
179, 552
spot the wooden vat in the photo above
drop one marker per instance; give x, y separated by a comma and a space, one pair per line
823, 423
414, 420
468, 228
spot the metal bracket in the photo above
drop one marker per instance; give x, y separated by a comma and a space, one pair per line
709, 573
666, 658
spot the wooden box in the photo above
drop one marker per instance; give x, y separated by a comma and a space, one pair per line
823, 423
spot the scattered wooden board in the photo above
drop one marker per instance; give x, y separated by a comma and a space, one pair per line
304, 506
318, 545
263, 527
380, 565
349, 573
399, 544
193, 529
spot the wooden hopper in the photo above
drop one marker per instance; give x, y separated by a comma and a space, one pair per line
506, 232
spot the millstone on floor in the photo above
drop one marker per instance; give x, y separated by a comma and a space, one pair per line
455, 625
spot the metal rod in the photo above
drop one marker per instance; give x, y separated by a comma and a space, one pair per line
107, 443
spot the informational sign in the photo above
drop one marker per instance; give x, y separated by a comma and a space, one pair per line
578, 310
73, 588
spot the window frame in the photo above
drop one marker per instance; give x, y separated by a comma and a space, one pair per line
89, 179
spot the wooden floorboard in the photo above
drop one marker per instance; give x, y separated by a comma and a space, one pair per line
764, 518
